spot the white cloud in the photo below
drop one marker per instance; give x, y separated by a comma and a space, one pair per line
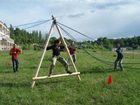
112, 18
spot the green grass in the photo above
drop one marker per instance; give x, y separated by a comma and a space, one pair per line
15, 88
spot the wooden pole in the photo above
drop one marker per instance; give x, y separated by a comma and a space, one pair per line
54, 76
49, 35
60, 33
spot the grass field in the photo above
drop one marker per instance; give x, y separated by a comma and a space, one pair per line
15, 88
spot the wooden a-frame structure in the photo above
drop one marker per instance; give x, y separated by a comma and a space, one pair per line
54, 23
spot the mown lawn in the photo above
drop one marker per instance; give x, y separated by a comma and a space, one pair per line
15, 88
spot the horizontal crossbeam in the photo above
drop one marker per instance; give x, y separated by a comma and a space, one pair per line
54, 76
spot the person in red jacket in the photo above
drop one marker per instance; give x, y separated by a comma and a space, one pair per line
14, 52
72, 50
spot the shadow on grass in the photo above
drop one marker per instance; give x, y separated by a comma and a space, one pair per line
15, 85
33, 67
28, 84
107, 70
6, 71
55, 83
132, 68
28, 67
98, 70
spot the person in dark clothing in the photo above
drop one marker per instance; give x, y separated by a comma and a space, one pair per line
119, 58
14, 52
56, 48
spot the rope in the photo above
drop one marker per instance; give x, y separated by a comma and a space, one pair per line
68, 34
30, 23
37, 24
90, 38
103, 61
124, 62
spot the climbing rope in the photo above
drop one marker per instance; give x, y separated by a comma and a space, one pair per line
31, 23
76, 31
37, 24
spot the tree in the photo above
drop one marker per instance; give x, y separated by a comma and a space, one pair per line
24, 38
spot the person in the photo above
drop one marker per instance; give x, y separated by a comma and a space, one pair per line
14, 52
72, 50
119, 58
56, 48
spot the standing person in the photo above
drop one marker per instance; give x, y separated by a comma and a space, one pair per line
14, 52
119, 58
56, 48
72, 50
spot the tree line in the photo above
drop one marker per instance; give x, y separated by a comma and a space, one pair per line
26, 39
130, 43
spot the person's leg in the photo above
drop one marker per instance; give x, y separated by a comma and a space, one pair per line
69, 61
120, 64
64, 63
74, 58
14, 68
54, 59
115, 64
16, 64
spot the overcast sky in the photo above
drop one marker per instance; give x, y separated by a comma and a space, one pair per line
95, 18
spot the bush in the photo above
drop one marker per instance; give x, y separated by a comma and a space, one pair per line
26, 47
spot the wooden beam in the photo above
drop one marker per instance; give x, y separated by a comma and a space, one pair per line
54, 76
66, 47
41, 60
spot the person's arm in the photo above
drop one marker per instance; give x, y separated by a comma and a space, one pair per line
121, 50
74, 48
10, 52
62, 48
49, 47
18, 50
117, 50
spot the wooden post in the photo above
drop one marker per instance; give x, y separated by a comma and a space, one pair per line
49, 35
47, 42
55, 76
58, 29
